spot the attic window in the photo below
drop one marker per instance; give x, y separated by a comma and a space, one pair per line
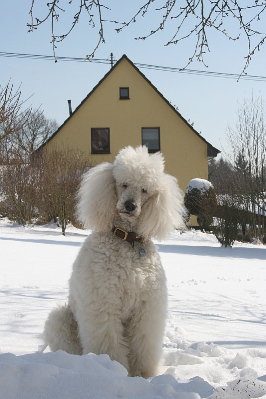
100, 140
124, 93
151, 138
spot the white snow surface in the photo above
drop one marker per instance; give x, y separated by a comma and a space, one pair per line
200, 184
215, 339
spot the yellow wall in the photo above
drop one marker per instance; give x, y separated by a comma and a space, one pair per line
185, 153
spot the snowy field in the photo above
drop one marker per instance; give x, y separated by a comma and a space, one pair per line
215, 340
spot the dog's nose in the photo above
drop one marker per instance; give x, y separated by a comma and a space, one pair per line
130, 206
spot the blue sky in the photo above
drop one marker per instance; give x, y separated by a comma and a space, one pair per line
210, 103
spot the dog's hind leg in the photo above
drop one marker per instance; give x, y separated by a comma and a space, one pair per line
61, 331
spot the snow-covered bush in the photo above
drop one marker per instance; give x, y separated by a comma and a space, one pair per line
200, 200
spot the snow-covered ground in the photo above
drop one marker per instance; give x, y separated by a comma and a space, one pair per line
215, 340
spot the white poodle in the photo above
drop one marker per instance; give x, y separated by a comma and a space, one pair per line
117, 291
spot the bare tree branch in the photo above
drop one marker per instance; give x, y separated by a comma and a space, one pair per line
12, 116
248, 142
54, 12
191, 18
33, 134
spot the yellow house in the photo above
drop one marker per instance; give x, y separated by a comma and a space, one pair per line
125, 108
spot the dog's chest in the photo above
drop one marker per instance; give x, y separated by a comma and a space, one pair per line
123, 271
135, 279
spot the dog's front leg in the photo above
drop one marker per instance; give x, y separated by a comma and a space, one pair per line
145, 334
102, 333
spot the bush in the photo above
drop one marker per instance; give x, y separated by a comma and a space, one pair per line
61, 171
44, 189
227, 224
20, 191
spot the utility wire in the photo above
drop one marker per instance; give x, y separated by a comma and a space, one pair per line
51, 57
204, 73
140, 65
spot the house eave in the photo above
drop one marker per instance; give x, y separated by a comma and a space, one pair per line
212, 152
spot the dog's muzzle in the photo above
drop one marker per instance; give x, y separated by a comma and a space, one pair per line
130, 206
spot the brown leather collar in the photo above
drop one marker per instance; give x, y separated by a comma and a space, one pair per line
123, 235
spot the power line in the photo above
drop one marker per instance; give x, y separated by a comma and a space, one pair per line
51, 57
140, 65
204, 73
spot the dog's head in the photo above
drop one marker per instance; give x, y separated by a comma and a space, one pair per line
137, 177
135, 190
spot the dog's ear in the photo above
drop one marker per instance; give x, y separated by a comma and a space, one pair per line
97, 198
163, 212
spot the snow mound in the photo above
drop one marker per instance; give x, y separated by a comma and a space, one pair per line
199, 184
60, 375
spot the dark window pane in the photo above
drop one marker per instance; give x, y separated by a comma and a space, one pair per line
151, 138
124, 93
100, 140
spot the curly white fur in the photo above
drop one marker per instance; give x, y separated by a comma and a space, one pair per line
117, 297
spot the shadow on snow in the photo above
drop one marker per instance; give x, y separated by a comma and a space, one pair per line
219, 252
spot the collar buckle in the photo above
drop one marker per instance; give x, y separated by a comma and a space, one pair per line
117, 233
123, 235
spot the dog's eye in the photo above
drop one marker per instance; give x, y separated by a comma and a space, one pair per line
124, 185
144, 191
